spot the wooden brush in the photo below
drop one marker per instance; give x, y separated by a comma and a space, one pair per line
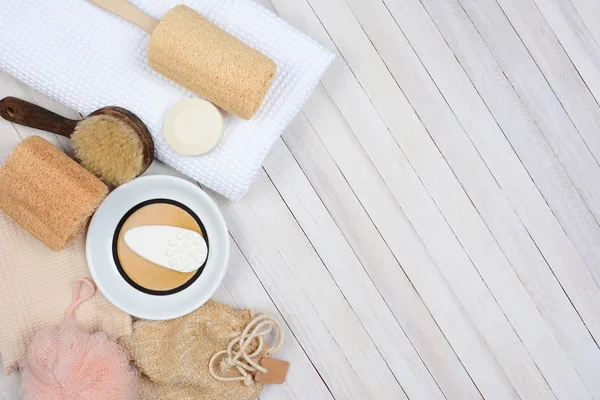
112, 143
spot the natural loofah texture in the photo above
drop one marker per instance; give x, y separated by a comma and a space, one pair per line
174, 356
64, 362
197, 54
48, 193
108, 148
88, 58
36, 286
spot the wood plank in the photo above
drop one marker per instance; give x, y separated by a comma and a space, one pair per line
587, 301
558, 70
484, 190
589, 11
241, 285
381, 264
538, 97
519, 128
320, 284
349, 274
10, 386
344, 35
470, 344
358, 170
576, 40
315, 321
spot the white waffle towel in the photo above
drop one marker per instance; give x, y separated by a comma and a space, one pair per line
88, 58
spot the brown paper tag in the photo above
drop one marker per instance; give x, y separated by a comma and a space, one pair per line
276, 371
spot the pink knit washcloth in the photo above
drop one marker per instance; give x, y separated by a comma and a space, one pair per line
35, 289
64, 362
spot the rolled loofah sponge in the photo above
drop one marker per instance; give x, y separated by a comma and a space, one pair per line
48, 193
192, 51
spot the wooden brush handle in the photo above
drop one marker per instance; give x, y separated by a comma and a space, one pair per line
125, 9
25, 113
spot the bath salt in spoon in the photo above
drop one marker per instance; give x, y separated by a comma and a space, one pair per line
112, 142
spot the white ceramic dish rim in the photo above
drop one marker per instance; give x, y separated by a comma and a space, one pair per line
111, 283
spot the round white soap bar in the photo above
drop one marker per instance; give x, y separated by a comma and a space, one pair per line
194, 127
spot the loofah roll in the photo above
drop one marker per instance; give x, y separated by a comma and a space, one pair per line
195, 53
47, 193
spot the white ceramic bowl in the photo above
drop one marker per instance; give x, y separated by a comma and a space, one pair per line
100, 241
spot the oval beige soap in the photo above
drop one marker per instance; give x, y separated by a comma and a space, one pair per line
194, 127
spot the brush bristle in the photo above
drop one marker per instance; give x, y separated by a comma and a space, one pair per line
108, 148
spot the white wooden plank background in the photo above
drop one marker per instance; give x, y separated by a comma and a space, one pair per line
427, 227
